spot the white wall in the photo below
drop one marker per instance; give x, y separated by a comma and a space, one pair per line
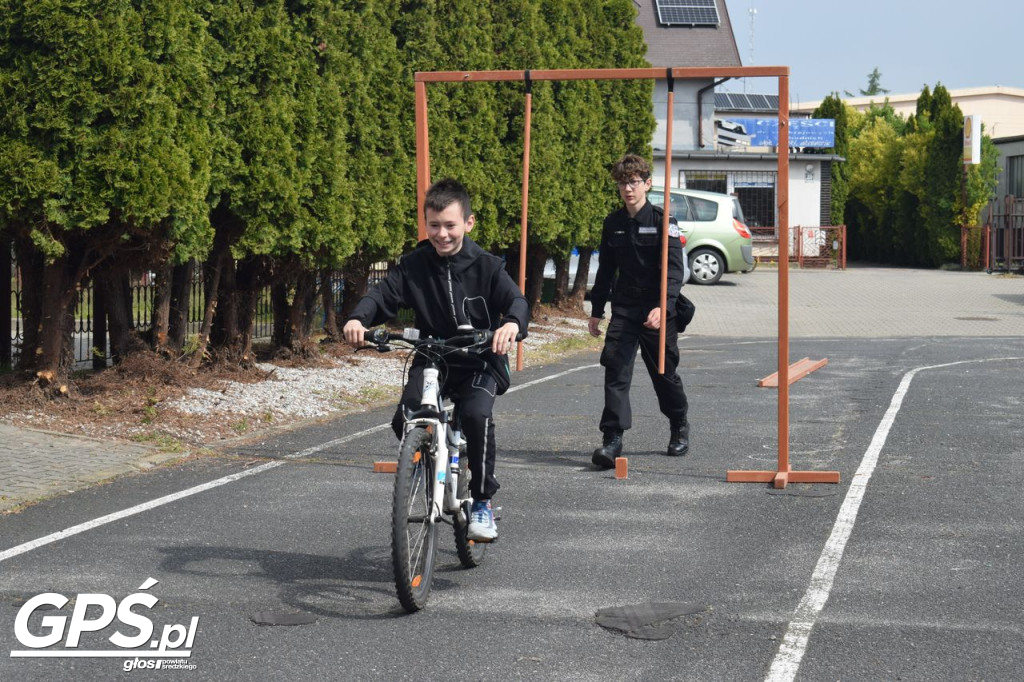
684, 120
804, 193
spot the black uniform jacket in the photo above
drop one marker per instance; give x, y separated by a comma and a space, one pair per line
444, 292
631, 248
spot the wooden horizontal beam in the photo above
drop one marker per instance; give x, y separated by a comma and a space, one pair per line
601, 74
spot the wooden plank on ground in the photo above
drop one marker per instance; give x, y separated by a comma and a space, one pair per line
798, 370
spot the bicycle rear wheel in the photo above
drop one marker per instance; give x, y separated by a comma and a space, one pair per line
413, 536
471, 553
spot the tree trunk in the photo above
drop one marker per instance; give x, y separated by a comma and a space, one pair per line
6, 294
574, 298
248, 294
300, 315
211, 276
225, 330
279, 301
30, 264
328, 301
117, 300
181, 302
356, 276
54, 357
535, 259
162, 306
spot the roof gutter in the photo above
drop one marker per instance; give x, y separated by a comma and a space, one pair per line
700, 110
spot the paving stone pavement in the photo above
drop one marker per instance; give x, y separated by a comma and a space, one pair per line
37, 464
857, 302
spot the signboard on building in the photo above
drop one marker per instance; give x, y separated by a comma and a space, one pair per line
972, 139
764, 132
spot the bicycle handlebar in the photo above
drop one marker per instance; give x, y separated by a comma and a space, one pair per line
476, 337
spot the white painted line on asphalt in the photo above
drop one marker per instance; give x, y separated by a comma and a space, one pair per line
520, 387
167, 499
794, 644
131, 511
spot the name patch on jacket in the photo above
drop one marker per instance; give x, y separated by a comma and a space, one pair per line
673, 230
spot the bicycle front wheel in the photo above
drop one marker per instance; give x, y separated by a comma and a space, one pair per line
413, 535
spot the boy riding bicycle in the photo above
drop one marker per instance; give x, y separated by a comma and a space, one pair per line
448, 281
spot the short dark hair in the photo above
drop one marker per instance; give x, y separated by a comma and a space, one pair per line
444, 193
630, 165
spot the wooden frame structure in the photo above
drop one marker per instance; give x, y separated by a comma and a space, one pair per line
783, 475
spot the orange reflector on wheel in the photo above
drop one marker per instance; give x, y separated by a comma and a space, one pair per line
416, 581
417, 456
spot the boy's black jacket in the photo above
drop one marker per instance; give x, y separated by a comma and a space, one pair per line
443, 292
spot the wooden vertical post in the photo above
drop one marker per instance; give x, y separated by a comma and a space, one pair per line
422, 156
528, 106
669, 115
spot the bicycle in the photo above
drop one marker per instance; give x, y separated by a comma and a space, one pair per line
432, 480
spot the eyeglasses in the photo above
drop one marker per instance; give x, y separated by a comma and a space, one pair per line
632, 184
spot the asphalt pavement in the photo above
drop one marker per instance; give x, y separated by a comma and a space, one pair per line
907, 569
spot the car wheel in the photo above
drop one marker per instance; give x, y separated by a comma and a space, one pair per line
706, 266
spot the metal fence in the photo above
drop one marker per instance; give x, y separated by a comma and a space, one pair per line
142, 292
1005, 220
820, 246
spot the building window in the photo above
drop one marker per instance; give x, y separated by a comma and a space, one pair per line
709, 181
754, 189
756, 192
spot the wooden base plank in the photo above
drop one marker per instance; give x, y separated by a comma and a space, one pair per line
780, 479
797, 371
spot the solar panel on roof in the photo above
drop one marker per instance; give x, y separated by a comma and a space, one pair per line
691, 12
759, 102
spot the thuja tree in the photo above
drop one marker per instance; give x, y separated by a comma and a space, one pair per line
624, 123
99, 155
832, 107
906, 201
377, 186
941, 121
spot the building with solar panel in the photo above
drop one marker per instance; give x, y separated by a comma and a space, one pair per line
723, 141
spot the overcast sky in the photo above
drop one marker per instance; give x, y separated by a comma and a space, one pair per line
832, 45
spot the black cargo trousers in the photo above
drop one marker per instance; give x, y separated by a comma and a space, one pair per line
625, 332
473, 392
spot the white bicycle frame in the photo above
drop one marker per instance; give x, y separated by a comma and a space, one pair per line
444, 447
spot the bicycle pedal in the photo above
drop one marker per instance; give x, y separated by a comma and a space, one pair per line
485, 542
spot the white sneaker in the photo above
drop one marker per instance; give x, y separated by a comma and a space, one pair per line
481, 522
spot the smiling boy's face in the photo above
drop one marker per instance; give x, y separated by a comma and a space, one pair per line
447, 228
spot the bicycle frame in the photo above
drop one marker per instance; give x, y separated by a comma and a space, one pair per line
444, 448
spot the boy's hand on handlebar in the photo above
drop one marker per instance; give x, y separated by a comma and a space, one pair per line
504, 336
353, 333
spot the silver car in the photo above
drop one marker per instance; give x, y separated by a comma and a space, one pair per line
717, 238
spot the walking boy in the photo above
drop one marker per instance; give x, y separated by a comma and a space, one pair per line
631, 248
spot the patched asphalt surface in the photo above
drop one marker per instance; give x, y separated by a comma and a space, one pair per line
928, 587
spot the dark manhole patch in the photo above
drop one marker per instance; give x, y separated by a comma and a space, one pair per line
650, 620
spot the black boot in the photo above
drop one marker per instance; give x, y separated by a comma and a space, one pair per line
679, 442
604, 456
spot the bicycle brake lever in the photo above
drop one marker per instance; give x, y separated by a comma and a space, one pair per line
380, 348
